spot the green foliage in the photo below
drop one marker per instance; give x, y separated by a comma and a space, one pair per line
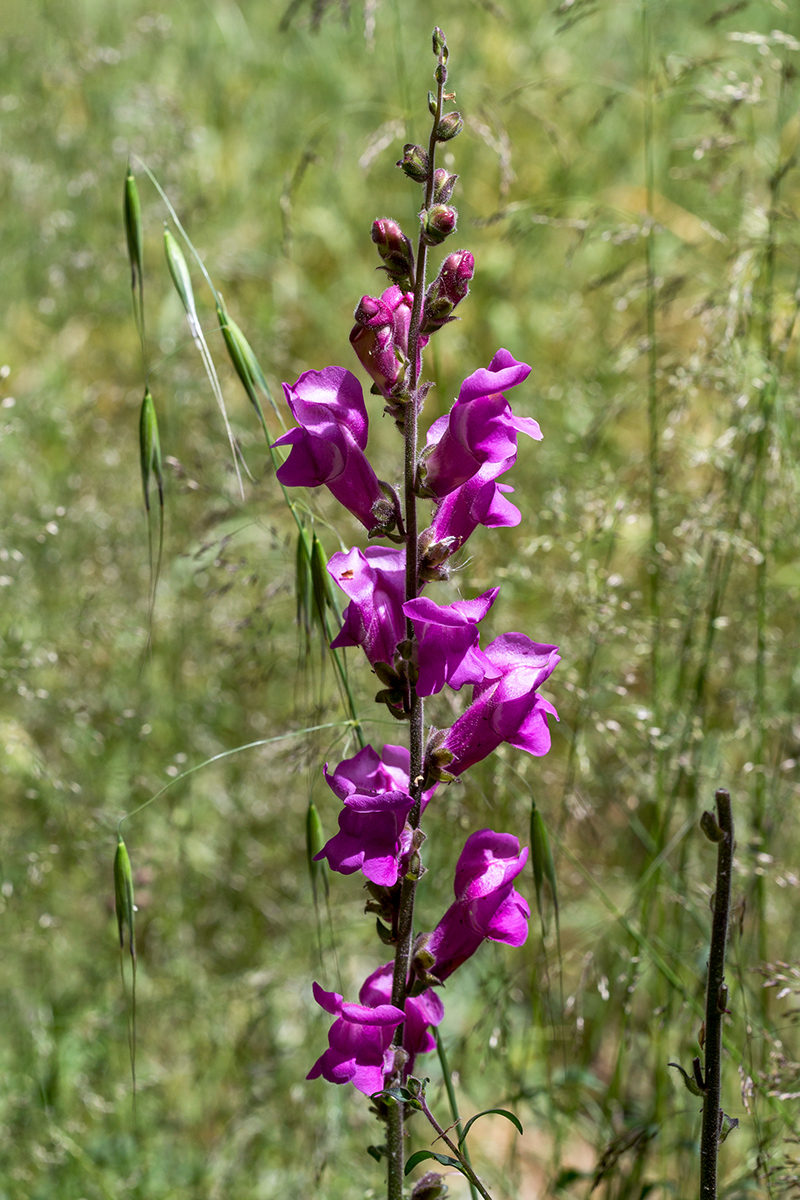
275, 140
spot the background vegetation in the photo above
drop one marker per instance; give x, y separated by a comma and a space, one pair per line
629, 188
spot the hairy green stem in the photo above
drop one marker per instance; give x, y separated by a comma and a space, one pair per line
716, 997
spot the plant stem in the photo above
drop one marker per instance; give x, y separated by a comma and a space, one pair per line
716, 1000
451, 1097
466, 1169
405, 924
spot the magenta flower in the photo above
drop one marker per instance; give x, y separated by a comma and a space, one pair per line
359, 1042
480, 428
508, 708
374, 581
421, 1011
479, 501
486, 906
372, 835
380, 336
448, 642
329, 441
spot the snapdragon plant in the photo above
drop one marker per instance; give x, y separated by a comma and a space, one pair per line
417, 646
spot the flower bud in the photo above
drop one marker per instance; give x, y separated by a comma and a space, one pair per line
440, 44
449, 127
430, 1187
443, 184
394, 248
448, 289
415, 161
438, 223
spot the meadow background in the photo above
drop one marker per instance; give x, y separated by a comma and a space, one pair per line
629, 188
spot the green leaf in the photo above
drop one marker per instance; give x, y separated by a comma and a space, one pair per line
422, 1155
500, 1112
691, 1084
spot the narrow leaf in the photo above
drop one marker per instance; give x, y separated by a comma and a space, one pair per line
500, 1112
691, 1084
422, 1155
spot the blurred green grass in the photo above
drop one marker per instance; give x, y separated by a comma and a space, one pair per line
276, 147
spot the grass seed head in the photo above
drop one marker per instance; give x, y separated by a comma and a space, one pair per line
123, 897
150, 449
133, 228
179, 271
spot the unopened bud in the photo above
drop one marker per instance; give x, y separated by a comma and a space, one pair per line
440, 44
449, 127
448, 289
438, 223
430, 1187
443, 184
415, 162
394, 248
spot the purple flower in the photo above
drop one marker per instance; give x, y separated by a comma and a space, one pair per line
505, 709
380, 336
486, 906
374, 581
373, 836
479, 501
421, 1012
448, 650
329, 442
480, 428
372, 833
359, 1042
